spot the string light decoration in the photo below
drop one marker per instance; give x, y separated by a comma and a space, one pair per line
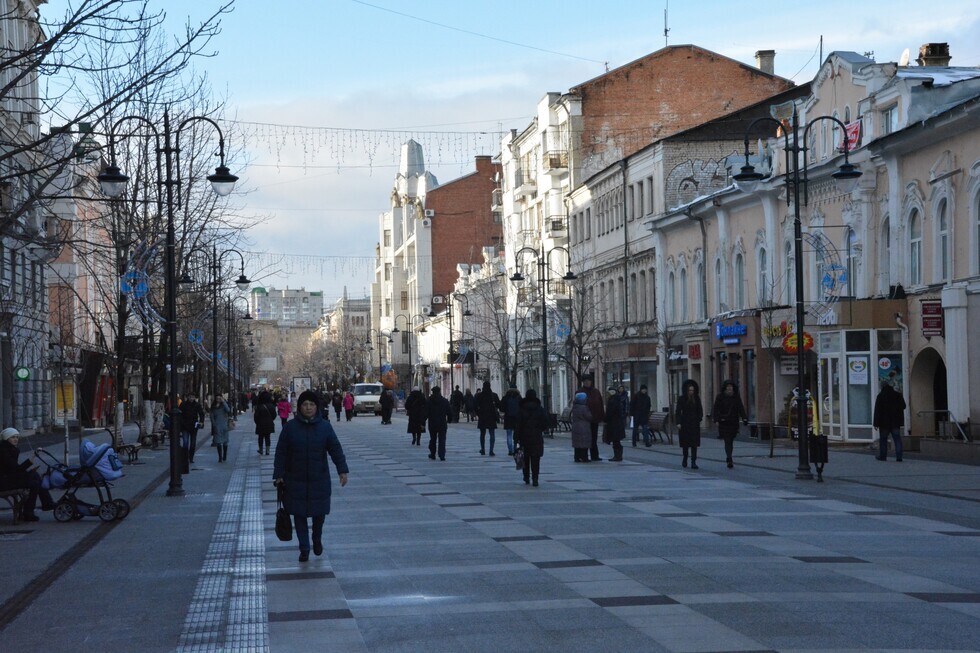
342, 147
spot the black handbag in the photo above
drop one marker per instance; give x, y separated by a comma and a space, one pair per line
284, 524
519, 458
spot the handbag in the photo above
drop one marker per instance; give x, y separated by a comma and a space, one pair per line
519, 458
232, 424
284, 525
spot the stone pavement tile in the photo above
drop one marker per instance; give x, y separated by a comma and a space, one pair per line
894, 579
608, 587
316, 636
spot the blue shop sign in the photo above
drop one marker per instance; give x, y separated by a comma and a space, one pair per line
731, 334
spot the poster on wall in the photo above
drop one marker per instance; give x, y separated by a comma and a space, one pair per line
890, 371
857, 370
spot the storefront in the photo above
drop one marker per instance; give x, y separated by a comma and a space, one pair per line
735, 347
630, 364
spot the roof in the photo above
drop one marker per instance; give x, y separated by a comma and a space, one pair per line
938, 75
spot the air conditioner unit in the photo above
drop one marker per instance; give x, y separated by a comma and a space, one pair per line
426, 222
437, 299
430, 213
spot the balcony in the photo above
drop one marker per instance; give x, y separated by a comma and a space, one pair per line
524, 183
528, 237
497, 200
556, 162
527, 296
559, 288
557, 227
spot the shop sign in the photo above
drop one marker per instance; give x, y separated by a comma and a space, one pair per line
22, 373
694, 352
790, 345
676, 355
788, 366
932, 318
776, 330
731, 334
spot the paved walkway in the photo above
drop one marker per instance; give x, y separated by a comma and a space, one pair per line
460, 555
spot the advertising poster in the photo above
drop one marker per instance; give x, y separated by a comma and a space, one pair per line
890, 371
857, 370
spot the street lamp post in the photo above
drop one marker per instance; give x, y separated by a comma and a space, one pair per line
543, 261
379, 334
113, 183
795, 177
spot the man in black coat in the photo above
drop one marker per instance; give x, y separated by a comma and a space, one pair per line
532, 422
640, 412
487, 416
889, 418
439, 413
191, 419
456, 402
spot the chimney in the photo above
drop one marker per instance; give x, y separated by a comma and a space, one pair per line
934, 54
765, 61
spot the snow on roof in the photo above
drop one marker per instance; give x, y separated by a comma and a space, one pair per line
939, 75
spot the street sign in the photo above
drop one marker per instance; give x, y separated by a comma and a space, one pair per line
932, 318
22, 373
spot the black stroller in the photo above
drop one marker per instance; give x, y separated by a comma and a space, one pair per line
98, 467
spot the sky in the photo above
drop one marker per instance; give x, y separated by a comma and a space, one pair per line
321, 93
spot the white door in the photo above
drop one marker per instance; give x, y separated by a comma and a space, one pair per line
830, 397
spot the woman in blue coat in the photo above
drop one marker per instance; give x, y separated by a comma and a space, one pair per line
301, 468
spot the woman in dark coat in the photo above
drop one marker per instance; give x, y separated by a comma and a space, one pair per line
487, 416
532, 422
469, 405
338, 403
264, 414
689, 414
301, 468
438, 412
727, 412
581, 427
615, 427
387, 402
417, 413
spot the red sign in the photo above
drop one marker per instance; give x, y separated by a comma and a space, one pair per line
932, 318
853, 136
790, 346
694, 352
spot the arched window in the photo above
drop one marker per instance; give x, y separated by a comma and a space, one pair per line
764, 294
683, 291
739, 281
671, 298
719, 295
944, 257
641, 293
789, 273
699, 283
915, 248
885, 256
850, 244
836, 135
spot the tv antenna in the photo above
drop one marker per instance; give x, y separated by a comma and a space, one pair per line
666, 29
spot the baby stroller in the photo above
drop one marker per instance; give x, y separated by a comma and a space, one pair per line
98, 466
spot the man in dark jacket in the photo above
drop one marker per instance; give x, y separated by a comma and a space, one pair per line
532, 422
640, 412
417, 411
593, 399
264, 415
487, 416
615, 431
439, 413
889, 418
456, 403
191, 419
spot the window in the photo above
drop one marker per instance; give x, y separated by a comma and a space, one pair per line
915, 248
739, 281
943, 243
387, 308
671, 298
387, 240
835, 135
789, 273
850, 244
889, 120
699, 284
885, 256
404, 300
387, 271
406, 344
718, 286
763, 276
588, 223
683, 291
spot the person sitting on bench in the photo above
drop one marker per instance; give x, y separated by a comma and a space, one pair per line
21, 476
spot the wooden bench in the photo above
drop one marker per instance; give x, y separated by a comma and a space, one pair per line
565, 419
15, 499
659, 425
131, 449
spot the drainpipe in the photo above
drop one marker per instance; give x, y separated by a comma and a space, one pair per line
908, 407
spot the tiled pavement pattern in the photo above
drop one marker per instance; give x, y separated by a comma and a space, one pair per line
461, 556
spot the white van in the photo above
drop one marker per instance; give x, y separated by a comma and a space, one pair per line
367, 398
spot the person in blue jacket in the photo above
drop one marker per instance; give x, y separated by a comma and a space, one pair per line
301, 468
